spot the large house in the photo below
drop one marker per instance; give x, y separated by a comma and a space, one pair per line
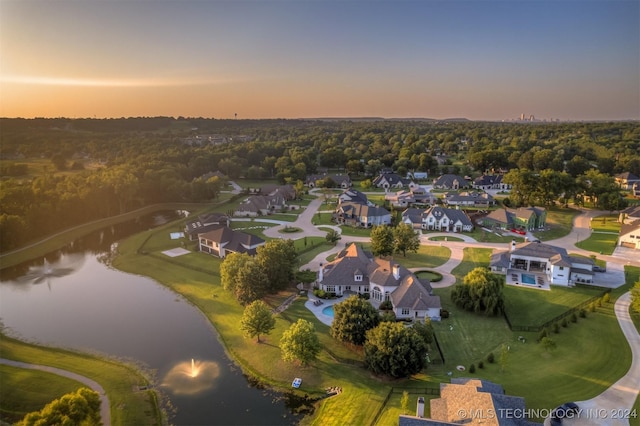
627, 180
470, 401
205, 223
260, 205
415, 195
629, 215
223, 240
361, 215
538, 264
342, 181
469, 199
485, 182
525, 218
449, 181
392, 180
356, 271
630, 235
354, 209
438, 218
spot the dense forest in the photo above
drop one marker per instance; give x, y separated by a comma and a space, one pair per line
60, 172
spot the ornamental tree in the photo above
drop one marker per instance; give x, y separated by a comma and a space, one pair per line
394, 350
257, 319
300, 342
352, 319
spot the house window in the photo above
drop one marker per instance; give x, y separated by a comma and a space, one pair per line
561, 268
376, 294
331, 288
347, 288
357, 277
405, 311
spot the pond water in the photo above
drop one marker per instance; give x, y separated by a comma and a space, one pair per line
76, 300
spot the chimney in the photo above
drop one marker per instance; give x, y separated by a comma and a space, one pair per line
396, 271
321, 273
513, 245
420, 408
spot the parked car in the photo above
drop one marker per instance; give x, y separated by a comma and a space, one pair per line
599, 269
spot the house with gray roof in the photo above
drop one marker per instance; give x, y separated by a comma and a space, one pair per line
629, 215
626, 180
204, 223
471, 401
469, 199
353, 195
524, 218
223, 240
415, 195
438, 218
485, 182
342, 181
538, 265
630, 235
450, 181
257, 205
392, 180
361, 215
358, 272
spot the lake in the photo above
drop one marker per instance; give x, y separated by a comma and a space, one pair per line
76, 300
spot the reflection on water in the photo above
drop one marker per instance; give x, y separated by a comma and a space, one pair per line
190, 378
65, 265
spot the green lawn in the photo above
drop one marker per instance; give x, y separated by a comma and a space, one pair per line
473, 257
128, 406
30, 391
604, 237
559, 222
534, 307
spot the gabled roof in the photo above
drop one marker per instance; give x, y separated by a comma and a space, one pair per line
362, 210
414, 294
485, 180
452, 214
353, 195
413, 214
392, 178
630, 227
628, 176
351, 261
448, 180
473, 196
233, 240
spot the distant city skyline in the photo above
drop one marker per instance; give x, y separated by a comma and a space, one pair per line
480, 60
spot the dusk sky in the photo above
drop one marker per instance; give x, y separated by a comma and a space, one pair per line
483, 60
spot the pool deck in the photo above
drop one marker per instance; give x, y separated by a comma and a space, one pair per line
317, 310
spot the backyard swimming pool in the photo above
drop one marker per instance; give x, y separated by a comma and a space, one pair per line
528, 279
328, 311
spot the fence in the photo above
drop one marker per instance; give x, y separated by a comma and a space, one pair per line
538, 328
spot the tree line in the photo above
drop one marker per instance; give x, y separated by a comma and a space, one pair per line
99, 168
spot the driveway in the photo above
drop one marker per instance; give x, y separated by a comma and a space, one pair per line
617, 401
105, 407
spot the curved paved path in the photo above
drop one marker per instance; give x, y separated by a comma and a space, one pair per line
604, 408
105, 407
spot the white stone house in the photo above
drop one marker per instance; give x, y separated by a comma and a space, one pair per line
438, 218
354, 271
538, 264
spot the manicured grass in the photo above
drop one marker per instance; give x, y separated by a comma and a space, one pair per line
441, 238
425, 257
603, 243
24, 391
534, 307
128, 407
606, 223
483, 236
432, 276
559, 222
472, 258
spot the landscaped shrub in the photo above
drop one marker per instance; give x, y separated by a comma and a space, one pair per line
543, 333
481, 364
556, 328
472, 368
583, 313
386, 306
592, 307
564, 323
491, 358
574, 318
606, 298
444, 313
319, 293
